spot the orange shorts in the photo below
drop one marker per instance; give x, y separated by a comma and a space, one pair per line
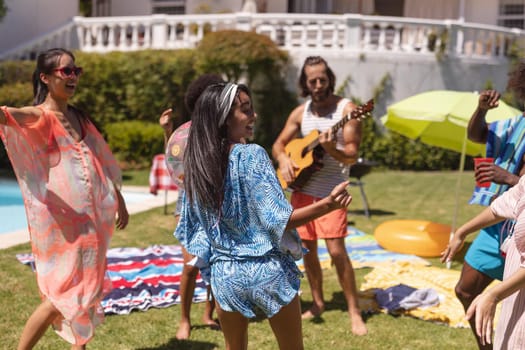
331, 225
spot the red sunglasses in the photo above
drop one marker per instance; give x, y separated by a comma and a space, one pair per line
69, 71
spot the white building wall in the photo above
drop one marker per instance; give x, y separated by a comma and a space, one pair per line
27, 19
408, 76
364, 7
476, 11
228, 6
431, 9
215, 6
131, 8
144, 7
482, 11
276, 6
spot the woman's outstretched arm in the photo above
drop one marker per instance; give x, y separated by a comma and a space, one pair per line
338, 198
483, 219
21, 115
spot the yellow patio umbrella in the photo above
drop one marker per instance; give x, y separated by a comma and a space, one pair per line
440, 118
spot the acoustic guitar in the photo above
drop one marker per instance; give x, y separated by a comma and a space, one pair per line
307, 153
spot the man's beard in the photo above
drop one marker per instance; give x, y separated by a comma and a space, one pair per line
320, 97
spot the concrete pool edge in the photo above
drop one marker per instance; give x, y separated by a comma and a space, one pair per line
10, 239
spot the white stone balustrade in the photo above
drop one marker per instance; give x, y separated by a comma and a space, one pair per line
292, 32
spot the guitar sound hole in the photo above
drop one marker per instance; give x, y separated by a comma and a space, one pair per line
318, 153
303, 153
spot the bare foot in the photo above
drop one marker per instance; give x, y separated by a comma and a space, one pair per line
314, 311
184, 330
211, 323
358, 325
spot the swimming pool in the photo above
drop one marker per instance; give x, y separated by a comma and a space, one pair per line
12, 211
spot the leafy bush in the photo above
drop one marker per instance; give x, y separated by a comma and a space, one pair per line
135, 143
239, 54
16, 72
256, 60
16, 94
394, 151
134, 86
124, 94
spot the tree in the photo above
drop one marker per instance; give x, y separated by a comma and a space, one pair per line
3, 9
84, 8
256, 60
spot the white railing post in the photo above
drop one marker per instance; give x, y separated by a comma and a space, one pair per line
396, 41
350, 32
78, 27
243, 21
134, 35
123, 41
304, 35
352, 39
288, 36
111, 37
80, 36
455, 39
99, 38
319, 36
158, 32
381, 41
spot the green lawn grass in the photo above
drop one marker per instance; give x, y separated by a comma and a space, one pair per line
391, 195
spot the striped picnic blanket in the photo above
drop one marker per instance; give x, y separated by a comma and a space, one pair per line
150, 277
364, 251
142, 278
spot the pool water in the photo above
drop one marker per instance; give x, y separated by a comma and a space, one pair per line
12, 211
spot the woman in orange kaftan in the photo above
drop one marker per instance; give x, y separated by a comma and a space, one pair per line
70, 182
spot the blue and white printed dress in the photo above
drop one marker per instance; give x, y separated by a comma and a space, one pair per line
241, 254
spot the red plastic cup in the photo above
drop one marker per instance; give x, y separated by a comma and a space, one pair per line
478, 161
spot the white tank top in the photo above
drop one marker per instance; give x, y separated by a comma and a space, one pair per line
333, 172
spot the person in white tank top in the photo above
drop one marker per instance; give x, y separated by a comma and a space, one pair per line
320, 112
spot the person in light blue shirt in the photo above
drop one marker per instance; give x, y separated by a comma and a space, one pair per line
237, 222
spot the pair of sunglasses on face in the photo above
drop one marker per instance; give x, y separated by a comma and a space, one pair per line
68, 72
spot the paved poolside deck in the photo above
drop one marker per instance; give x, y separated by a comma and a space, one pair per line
22, 236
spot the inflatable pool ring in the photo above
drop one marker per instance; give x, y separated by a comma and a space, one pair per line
417, 237
175, 153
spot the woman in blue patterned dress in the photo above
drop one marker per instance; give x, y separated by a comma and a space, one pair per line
238, 223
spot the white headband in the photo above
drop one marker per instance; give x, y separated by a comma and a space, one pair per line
227, 97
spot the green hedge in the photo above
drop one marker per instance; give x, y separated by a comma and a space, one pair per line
124, 94
16, 72
116, 87
16, 94
135, 142
394, 151
255, 60
134, 86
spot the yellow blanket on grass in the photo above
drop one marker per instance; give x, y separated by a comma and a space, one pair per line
449, 311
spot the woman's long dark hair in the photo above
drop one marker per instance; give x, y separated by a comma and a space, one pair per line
45, 63
207, 150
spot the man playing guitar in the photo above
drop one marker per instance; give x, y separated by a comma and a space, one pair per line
320, 112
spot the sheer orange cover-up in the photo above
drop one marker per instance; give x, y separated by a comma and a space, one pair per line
69, 191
